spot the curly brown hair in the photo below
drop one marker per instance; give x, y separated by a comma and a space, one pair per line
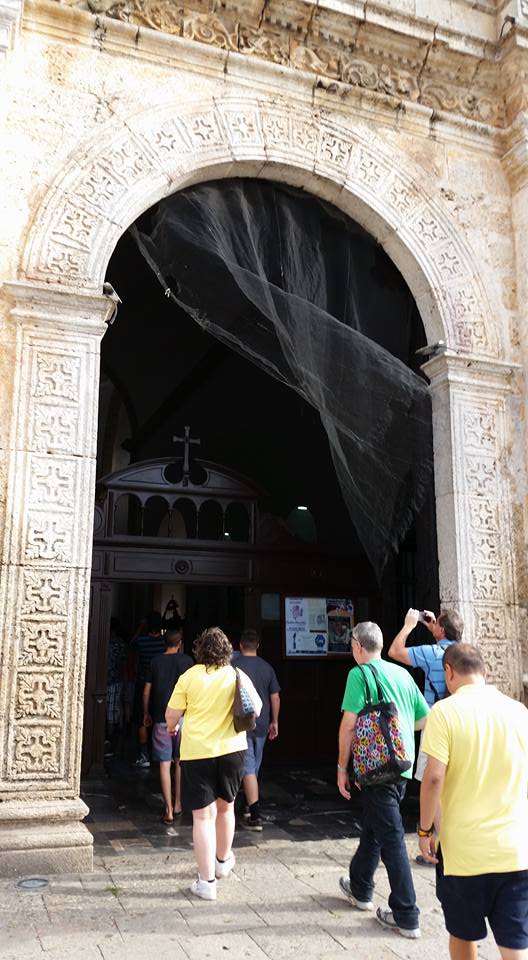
212, 648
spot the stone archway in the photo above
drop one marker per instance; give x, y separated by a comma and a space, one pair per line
111, 180
57, 320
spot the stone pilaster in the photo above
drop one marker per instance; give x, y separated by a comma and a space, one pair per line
54, 339
472, 426
515, 163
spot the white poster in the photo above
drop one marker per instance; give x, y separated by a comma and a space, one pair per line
317, 626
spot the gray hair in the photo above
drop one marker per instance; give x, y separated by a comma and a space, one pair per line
369, 635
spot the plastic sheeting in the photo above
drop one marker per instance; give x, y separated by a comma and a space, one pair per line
292, 284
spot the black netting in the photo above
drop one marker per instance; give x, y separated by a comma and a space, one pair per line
290, 283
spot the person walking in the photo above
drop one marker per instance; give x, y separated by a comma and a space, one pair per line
161, 677
148, 645
267, 686
211, 754
383, 835
476, 743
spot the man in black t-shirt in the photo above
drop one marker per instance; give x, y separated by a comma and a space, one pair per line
263, 676
161, 677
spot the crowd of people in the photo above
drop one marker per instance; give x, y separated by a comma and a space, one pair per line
472, 765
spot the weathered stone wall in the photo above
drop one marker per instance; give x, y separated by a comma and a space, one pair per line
413, 127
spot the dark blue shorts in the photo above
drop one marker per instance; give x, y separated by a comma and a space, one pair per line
502, 898
164, 746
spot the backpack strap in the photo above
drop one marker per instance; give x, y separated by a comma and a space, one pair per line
443, 644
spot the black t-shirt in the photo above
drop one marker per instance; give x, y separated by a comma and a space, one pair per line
265, 682
163, 673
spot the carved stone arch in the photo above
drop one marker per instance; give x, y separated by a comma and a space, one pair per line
113, 179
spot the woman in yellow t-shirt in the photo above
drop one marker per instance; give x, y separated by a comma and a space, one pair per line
211, 755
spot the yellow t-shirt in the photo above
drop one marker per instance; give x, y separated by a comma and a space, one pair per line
207, 698
482, 737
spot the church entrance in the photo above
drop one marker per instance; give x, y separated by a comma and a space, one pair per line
218, 492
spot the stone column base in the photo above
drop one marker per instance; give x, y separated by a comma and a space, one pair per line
43, 837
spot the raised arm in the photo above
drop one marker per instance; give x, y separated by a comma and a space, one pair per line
397, 650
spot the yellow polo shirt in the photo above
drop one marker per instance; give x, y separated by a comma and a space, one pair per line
207, 698
482, 737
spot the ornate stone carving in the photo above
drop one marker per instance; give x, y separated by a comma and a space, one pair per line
489, 623
373, 58
57, 376
481, 476
207, 29
45, 592
36, 751
115, 177
55, 429
483, 515
480, 430
49, 538
42, 644
486, 584
39, 695
52, 483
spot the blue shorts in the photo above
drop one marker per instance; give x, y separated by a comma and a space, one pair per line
501, 897
165, 747
253, 755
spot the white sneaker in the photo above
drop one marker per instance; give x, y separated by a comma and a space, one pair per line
204, 889
387, 920
223, 867
344, 883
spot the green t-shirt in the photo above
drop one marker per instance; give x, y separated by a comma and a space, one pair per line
396, 685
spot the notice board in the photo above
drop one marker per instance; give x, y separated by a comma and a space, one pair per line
317, 626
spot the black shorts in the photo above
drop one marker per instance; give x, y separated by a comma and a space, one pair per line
203, 781
501, 897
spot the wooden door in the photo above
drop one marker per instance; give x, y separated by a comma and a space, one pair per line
95, 685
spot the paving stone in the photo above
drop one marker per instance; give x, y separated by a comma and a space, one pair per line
21, 941
75, 933
239, 946
166, 921
145, 946
218, 917
295, 941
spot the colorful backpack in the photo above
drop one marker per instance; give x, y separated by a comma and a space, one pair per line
378, 751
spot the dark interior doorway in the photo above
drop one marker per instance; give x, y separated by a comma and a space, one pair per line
160, 372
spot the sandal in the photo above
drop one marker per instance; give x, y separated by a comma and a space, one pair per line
165, 818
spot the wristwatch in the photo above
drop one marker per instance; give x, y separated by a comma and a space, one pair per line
424, 833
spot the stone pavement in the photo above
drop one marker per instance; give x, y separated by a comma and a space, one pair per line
281, 901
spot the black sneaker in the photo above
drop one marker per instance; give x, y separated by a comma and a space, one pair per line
254, 823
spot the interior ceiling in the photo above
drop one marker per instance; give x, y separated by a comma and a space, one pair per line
170, 373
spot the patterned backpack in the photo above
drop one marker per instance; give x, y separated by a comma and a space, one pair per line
378, 751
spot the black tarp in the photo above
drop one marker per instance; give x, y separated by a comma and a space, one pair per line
294, 285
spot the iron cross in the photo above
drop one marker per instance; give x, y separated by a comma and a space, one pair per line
186, 440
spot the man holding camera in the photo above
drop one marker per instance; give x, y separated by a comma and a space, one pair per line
446, 629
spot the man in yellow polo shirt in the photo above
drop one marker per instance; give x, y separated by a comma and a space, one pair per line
477, 769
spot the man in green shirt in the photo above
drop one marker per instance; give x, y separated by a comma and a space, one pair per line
383, 835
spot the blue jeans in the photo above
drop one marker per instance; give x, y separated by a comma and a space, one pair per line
383, 837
